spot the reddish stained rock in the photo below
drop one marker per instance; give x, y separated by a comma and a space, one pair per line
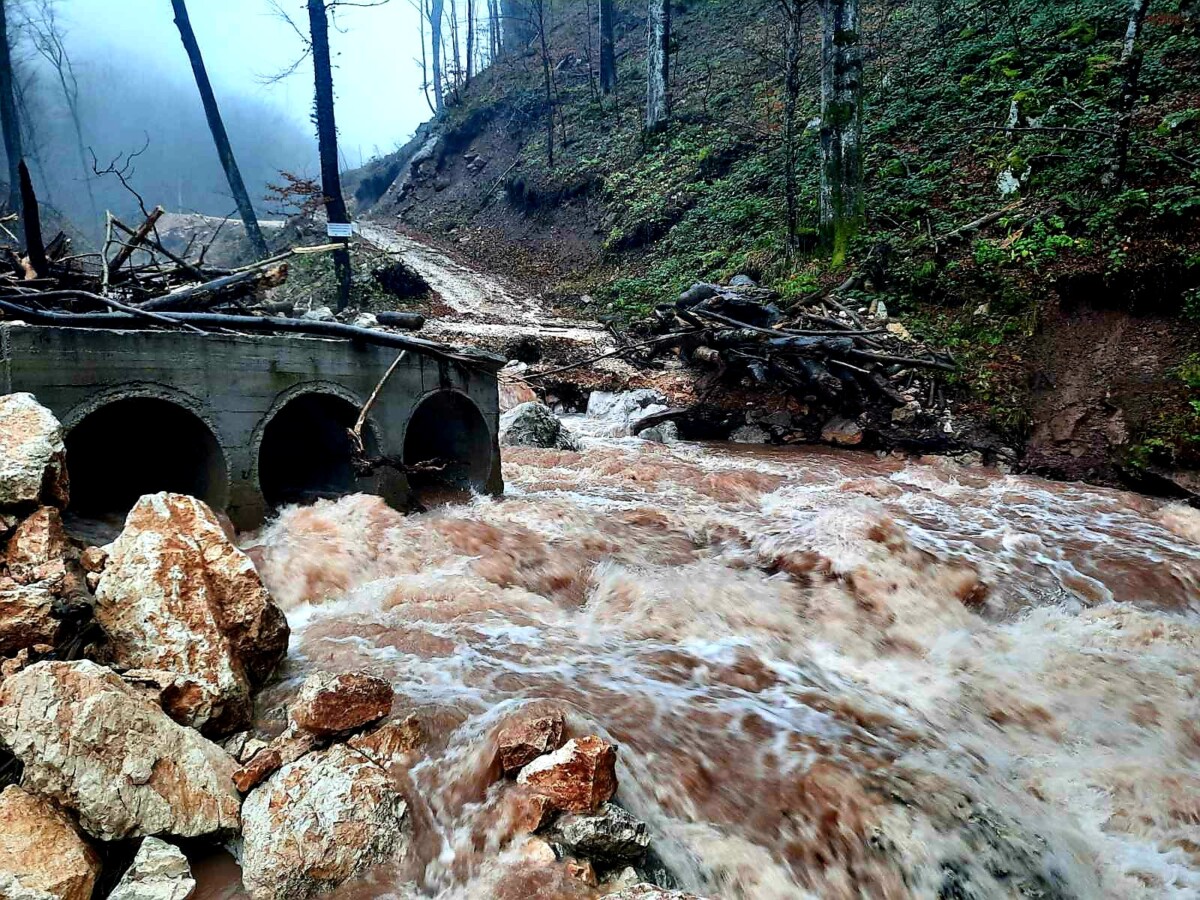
38, 541
40, 851
521, 743
178, 596
578, 777
92, 744
328, 705
392, 743
33, 458
186, 700
525, 811
582, 870
256, 771
26, 616
93, 560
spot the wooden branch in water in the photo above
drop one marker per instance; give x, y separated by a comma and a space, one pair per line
356, 431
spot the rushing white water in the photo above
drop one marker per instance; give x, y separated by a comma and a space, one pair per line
829, 675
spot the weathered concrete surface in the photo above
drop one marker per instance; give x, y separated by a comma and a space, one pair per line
236, 384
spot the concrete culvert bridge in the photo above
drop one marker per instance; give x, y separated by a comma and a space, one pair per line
447, 431
142, 445
306, 451
250, 423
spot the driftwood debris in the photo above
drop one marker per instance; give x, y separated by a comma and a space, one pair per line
138, 282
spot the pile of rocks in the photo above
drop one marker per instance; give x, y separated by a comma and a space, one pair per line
561, 796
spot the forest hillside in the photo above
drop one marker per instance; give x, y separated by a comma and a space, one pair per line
1000, 221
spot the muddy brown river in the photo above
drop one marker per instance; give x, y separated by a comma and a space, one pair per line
830, 676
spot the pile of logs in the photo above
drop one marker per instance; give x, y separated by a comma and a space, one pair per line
136, 282
822, 349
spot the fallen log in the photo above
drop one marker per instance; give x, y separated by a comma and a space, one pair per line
220, 290
262, 324
409, 320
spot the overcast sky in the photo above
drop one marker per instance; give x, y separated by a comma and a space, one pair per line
379, 101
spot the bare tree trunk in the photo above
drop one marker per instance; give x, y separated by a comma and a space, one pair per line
331, 178
1131, 66
658, 60
9, 119
841, 198
421, 17
519, 23
470, 40
608, 56
539, 8
794, 10
494, 30
215, 124
436, 12
458, 68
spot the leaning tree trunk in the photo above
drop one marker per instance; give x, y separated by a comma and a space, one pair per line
215, 124
841, 199
791, 99
608, 56
331, 178
9, 120
1131, 67
658, 55
436, 14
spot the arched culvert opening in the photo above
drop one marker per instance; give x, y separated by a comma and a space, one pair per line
142, 445
306, 453
447, 445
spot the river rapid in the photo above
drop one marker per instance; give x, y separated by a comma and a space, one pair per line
829, 675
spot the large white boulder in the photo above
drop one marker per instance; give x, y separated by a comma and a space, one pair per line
177, 596
33, 458
317, 823
93, 745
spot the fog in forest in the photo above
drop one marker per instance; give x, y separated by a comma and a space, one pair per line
136, 93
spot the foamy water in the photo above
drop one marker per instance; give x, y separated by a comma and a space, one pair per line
829, 675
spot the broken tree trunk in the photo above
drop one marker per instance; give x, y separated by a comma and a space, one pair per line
35, 248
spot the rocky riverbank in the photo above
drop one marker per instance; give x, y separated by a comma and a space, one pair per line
129, 745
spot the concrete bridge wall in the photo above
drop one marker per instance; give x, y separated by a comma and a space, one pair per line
249, 422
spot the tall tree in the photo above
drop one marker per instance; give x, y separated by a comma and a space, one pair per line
470, 40
793, 11
658, 58
9, 120
48, 40
608, 56
1131, 69
519, 24
331, 178
215, 124
493, 30
841, 200
437, 9
540, 22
